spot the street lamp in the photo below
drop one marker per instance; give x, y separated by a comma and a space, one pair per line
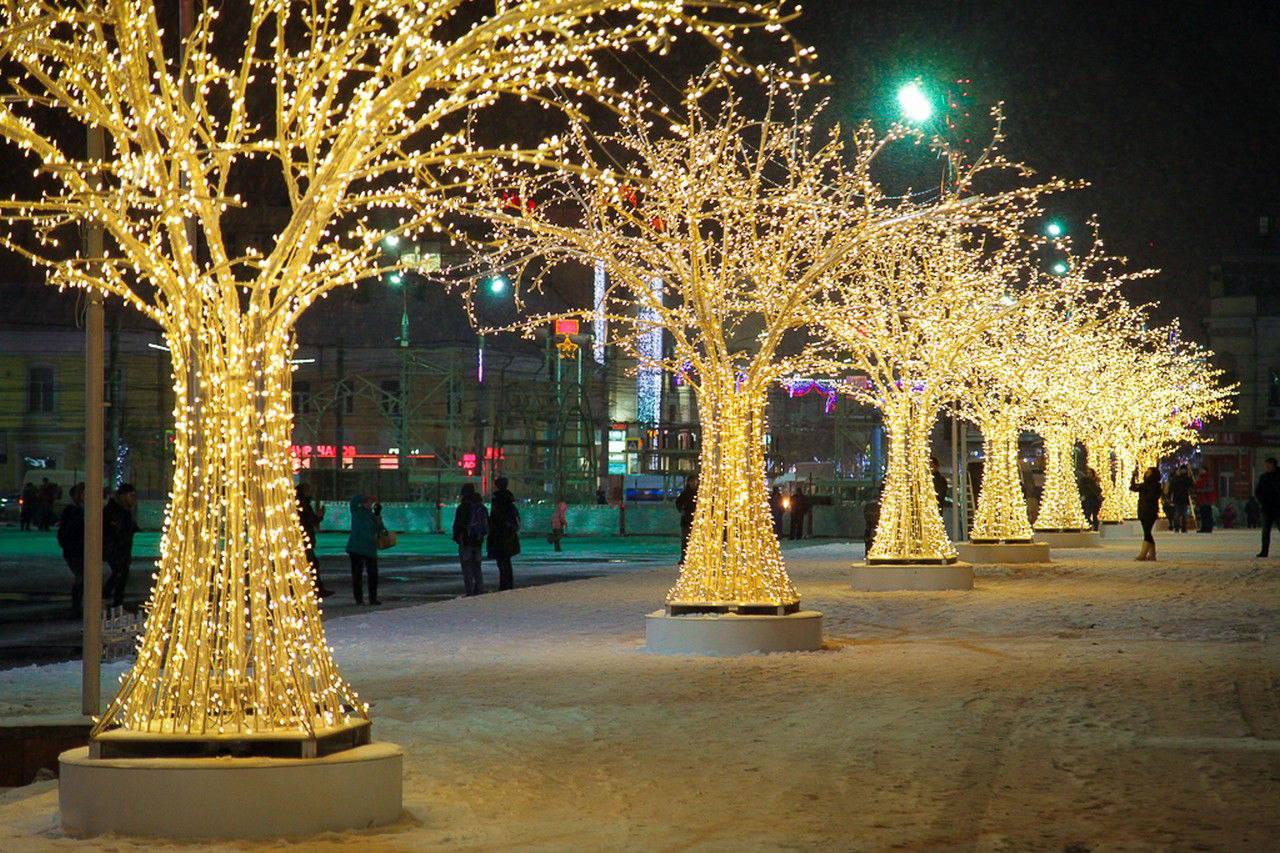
395, 279
391, 241
1054, 229
1060, 268
915, 102
497, 285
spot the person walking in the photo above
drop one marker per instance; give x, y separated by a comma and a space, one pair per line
559, 523
30, 503
1091, 496
1253, 512
309, 517
71, 539
1149, 492
1206, 497
470, 527
1180, 486
49, 494
118, 527
362, 548
1268, 494
504, 532
687, 504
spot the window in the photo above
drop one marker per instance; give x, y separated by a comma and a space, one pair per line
347, 398
391, 397
301, 397
40, 390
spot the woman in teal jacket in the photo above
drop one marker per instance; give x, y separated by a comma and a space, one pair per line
362, 547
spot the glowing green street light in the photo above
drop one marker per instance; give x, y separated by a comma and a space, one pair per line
497, 285
395, 279
391, 241
1054, 229
1060, 268
915, 103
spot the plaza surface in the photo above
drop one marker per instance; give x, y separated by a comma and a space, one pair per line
1095, 703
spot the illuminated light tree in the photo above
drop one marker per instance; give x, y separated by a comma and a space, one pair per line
910, 319
747, 222
356, 110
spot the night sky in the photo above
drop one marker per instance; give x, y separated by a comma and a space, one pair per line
1168, 109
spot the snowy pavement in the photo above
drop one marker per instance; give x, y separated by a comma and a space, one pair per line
1095, 703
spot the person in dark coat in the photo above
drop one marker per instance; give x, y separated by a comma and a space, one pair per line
1206, 492
776, 510
1268, 495
362, 548
686, 504
309, 517
1149, 492
940, 485
30, 503
49, 494
470, 527
504, 532
71, 539
118, 527
1253, 512
1091, 496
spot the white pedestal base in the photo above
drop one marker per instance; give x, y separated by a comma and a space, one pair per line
1123, 530
1070, 538
728, 634
230, 798
922, 577
1003, 552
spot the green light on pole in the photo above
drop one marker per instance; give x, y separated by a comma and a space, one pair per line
395, 279
391, 241
497, 285
1060, 268
1054, 229
915, 102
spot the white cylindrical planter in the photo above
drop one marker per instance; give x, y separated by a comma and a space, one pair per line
230, 798
920, 577
1069, 538
729, 634
1121, 530
1003, 552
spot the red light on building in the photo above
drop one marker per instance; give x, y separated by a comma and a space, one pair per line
566, 327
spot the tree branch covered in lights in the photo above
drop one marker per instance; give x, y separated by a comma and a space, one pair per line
360, 110
748, 223
1002, 383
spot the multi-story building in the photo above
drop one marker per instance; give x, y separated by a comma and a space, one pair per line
1243, 329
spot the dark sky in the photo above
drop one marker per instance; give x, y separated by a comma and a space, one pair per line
1168, 109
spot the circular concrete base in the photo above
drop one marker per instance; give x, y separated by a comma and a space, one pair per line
1122, 530
1069, 538
1003, 552
230, 798
921, 577
727, 634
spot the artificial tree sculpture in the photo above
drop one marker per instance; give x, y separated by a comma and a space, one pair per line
746, 222
353, 109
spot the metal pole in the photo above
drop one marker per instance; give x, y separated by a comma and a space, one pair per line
91, 653
955, 474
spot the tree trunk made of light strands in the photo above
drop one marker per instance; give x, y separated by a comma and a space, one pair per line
1101, 460
233, 641
1060, 507
911, 529
1001, 515
1126, 503
733, 559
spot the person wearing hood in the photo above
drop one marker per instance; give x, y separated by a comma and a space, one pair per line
362, 548
504, 532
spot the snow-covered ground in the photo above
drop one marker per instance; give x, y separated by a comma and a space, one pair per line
1095, 703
